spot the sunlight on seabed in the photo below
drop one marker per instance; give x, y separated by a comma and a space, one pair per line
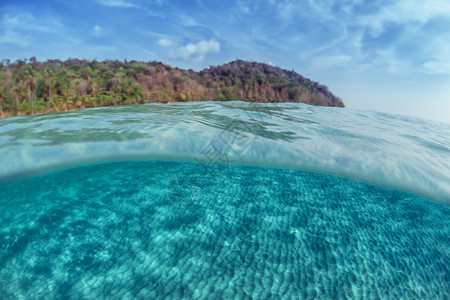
167, 229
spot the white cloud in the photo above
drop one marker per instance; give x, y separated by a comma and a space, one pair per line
140, 4
13, 38
188, 21
330, 61
405, 12
117, 3
163, 42
244, 7
27, 22
377, 40
439, 61
196, 52
291, 11
97, 31
18, 26
437, 67
286, 10
430, 52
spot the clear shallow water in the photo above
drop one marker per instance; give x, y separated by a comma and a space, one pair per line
158, 229
184, 211
410, 153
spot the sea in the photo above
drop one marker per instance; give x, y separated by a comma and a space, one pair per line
224, 200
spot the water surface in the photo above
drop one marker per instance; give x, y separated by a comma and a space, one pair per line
410, 153
223, 200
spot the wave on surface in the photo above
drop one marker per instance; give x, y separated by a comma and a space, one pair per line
409, 153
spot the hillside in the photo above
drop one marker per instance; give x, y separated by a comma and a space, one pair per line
54, 85
251, 81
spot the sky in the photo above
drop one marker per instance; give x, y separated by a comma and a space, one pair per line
383, 55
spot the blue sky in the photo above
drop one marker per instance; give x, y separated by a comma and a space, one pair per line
391, 56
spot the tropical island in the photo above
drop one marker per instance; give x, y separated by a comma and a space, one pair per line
33, 87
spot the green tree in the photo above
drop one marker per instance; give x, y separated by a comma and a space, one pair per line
2, 101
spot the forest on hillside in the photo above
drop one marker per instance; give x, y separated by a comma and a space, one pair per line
33, 87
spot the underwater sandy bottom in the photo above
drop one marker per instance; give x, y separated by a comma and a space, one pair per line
171, 229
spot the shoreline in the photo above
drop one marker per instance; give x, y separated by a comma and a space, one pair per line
42, 112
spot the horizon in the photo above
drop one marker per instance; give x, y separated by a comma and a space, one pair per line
368, 56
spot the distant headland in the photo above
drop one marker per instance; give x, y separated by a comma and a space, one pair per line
41, 87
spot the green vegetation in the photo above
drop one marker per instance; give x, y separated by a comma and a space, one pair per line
52, 86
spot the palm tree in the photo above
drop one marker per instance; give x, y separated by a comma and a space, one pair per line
49, 84
31, 85
2, 100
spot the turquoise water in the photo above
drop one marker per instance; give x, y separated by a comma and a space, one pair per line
157, 229
224, 200
409, 153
